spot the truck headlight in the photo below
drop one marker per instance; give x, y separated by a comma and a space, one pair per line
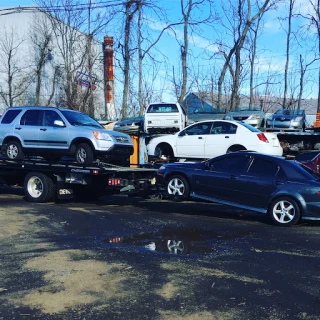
101, 135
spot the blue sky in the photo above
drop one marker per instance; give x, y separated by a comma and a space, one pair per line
271, 49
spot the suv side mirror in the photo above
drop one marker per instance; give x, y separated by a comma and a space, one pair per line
59, 123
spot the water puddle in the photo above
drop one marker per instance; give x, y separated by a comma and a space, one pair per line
178, 241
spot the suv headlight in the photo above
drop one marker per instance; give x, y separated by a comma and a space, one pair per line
101, 135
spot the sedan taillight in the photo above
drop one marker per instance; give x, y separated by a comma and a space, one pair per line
262, 137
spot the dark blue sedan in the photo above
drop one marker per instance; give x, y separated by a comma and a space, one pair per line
285, 189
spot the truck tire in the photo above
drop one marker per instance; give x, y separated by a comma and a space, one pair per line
38, 187
13, 150
84, 154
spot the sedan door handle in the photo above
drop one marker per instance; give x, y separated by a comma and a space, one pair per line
199, 137
227, 137
43, 129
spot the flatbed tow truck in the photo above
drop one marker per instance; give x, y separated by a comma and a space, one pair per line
298, 141
45, 181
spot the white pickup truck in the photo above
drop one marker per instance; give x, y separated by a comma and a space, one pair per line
164, 117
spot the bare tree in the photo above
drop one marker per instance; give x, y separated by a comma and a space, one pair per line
41, 37
188, 7
13, 68
78, 52
242, 15
288, 42
255, 28
313, 18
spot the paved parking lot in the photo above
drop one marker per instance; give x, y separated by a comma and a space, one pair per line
57, 261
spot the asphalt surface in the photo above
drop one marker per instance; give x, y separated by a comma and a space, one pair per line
109, 259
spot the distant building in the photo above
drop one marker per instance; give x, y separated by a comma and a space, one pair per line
17, 25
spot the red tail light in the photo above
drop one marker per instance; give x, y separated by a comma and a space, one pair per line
262, 137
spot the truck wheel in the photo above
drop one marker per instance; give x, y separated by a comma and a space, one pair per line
14, 150
84, 154
38, 187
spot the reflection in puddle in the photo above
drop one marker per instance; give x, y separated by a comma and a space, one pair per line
178, 241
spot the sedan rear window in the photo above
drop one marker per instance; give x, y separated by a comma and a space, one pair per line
251, 128
306, 156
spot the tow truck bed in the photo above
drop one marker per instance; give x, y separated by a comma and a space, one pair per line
44, 181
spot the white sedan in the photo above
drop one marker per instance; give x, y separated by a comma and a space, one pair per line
212, 138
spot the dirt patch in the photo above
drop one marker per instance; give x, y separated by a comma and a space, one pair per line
18, 221
73, 280
230, 315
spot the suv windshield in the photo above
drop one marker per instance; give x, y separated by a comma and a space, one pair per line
80, 119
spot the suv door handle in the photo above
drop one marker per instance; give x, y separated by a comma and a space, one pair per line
19, 128
43, 129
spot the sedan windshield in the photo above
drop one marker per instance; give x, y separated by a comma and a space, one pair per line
80, 119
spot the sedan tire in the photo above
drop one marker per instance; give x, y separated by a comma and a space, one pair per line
284, 211
178, 188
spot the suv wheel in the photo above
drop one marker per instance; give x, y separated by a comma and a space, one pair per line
84, 154
14, 150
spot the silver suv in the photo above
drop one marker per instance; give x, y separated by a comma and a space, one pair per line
55, 132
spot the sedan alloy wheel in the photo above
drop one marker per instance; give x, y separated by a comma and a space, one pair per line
178, 188
284, 211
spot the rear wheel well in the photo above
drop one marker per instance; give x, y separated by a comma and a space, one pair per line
164, 149
10, 138
288, 196
236, 147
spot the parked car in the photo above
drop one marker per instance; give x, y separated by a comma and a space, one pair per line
255, 117
310, 159
55, 132
287, 119
200, 115
164, 117
132, 125
212, 138
284, 189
